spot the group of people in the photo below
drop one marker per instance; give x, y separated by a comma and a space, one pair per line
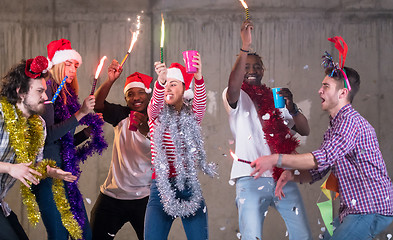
158, 149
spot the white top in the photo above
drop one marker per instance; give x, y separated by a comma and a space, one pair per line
130, 172
249, 137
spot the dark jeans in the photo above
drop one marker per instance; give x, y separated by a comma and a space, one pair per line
109, 215
10, 228
51, 216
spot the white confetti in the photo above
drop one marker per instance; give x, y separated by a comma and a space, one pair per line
266, 116
193, 149
288, 136
128, 19
286, 122
231, 182
224, 154
261, 187
266, 213
230, 141
138, 193
353, 202
320, 236
88, 200
242, 200
239, 235
271, 134
222, 228
246, 114
305, 67
286, 234
112, 235
204, 209
389, 236
296, 172
297, 211
323, 229
319, 222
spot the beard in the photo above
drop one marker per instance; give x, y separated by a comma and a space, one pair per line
33, 108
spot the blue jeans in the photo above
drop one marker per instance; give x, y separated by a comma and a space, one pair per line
51, 216
158, 223
253, 198
359, 226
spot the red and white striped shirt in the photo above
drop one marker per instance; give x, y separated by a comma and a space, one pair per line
155, 106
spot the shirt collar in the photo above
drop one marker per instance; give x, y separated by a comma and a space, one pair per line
343, 110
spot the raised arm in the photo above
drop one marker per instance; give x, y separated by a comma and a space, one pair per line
301, 123
114, 72
238, 71
199, 103
157, 99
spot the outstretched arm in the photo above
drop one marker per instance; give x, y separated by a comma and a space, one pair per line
238, 71
20, 171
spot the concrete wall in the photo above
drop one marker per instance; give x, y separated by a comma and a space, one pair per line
290, 35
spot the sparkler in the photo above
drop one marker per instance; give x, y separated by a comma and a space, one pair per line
99, 68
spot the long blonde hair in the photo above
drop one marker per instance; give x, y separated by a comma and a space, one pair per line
57, 74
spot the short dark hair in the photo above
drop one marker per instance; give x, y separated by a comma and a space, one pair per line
259, 57
353, 78
14, 79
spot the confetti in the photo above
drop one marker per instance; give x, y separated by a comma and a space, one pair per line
305, 67
286, 233
389, 236
242, 200
261, 187
271, 134
265, 213
266, 116
222, 228
286, 122
204, 209
320, 236
224, 154
112, 235
319, 222
231, 182
239, 236
296, 172
323, 229
88, 200
138, 193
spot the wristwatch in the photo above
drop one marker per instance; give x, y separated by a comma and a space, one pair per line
296, 110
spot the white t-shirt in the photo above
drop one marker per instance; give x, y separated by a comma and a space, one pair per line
129, 175
247, 130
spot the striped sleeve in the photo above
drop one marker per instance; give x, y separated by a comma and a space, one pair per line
199, 102
156, 101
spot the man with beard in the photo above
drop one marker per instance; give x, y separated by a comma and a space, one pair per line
125, 192
22, 92
260, 129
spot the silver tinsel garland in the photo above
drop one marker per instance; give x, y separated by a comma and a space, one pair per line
190, 154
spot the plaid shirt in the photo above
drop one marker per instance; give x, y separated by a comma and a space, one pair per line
350, 149
7, 155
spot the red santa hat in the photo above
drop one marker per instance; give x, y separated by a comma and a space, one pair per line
178, 72
60, 51
138, 80
35, 67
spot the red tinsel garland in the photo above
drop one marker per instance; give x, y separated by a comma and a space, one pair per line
277, 134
